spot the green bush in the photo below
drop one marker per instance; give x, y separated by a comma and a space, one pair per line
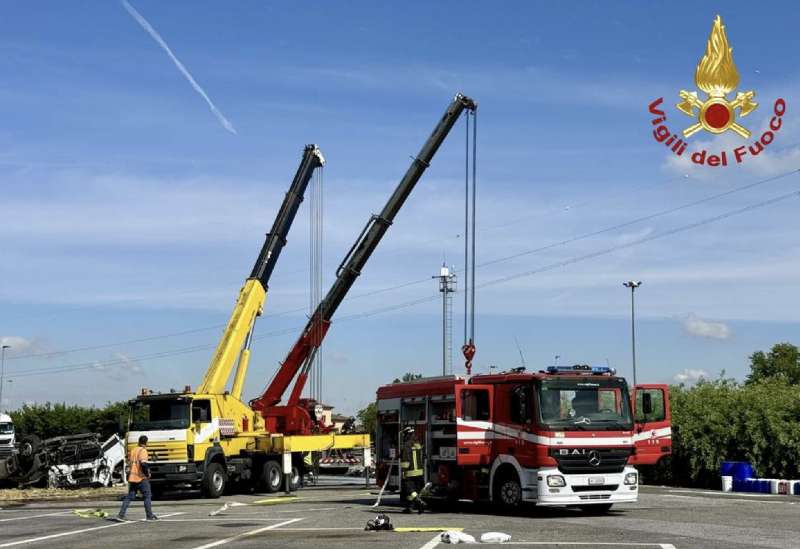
721, 420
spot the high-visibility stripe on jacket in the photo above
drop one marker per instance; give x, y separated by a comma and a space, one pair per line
411, 464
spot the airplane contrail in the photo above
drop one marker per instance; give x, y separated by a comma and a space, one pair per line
157, 37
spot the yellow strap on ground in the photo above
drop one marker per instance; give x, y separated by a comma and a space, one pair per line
91, 513
427, 529
276, 501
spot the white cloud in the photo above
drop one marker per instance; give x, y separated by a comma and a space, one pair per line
18, 345
689, 376
697, 326
119, 368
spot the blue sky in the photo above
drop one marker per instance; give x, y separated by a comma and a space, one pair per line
128, 211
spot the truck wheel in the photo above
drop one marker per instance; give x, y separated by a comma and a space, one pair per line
599, 509
294, 479
508, 490
214, 481
103, 477
272, 477
118, 475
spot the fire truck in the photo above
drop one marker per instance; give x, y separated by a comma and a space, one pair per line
560, 436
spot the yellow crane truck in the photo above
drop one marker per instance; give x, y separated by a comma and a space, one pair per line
209, 438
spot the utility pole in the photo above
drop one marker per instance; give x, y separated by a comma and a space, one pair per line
633, 285
447, 287
2, 369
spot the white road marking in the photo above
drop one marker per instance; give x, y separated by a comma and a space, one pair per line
591, 544
60, 513
319, 529
307, 510
246, 534
437, 539
724, 494
74, 532
732, 499
217, 519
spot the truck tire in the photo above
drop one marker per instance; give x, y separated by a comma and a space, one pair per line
598, 509
272, 477
294, 479
508, 490
214, 481
156, 492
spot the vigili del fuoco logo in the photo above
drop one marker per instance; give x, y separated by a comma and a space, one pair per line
716, 77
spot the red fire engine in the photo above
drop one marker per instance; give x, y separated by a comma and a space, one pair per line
563, 436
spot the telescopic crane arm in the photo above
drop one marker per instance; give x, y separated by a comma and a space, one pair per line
298, 361
235, 342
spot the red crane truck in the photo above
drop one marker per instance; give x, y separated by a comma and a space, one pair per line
296, 415
563, 436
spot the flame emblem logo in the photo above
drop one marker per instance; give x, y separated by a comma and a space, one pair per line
716, 75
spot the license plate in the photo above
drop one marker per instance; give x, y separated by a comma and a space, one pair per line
594, 481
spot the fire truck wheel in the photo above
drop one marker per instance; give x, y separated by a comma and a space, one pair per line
271, 477
214, 481
599, 509
508, 490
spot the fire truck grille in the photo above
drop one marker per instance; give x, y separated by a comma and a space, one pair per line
605, 487
590, 460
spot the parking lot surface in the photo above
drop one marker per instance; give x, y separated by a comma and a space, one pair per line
334, 513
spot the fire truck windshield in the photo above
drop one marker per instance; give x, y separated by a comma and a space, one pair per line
584, 404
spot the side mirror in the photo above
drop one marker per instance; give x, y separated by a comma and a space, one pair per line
647, 404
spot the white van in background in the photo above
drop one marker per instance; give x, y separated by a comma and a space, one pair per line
6, 436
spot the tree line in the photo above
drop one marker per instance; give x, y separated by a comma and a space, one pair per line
722, 419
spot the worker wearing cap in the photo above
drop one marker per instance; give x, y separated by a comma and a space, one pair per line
412, 472
138, 480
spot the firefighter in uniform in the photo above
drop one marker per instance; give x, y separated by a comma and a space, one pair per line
412, 473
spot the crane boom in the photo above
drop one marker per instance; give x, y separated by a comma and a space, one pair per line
292, 417
235, 341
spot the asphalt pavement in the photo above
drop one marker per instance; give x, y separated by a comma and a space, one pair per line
334, 513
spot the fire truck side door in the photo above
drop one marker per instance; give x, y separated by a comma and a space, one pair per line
653, 426
475, 425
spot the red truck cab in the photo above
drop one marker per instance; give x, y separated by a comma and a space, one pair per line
652, 425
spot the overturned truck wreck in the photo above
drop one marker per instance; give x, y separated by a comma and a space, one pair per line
66, 462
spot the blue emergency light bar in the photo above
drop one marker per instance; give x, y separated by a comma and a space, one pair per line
581, 369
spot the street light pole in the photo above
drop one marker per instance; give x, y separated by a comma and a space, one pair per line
2, 369
633, 284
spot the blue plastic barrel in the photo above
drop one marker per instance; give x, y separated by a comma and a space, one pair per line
797, 489
764, 486
740, 470
738, 485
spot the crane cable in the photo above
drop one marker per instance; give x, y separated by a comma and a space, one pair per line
468, 348
315, 280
